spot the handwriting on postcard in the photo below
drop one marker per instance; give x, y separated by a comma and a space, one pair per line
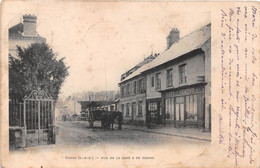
237, 118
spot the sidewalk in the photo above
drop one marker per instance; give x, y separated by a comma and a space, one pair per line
192, 133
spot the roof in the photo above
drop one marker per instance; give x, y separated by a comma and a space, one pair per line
17, 32
186, 44
87, 104
134, 74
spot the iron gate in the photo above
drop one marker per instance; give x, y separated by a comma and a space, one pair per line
39, 119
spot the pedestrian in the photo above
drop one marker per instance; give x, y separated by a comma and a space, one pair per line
120, 120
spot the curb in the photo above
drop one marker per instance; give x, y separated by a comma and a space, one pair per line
177, 135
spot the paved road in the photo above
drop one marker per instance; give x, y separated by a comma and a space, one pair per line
79, 133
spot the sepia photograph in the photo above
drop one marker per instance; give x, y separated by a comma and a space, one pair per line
163, 96
141, 84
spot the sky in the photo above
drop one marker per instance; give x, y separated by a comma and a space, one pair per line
100, 41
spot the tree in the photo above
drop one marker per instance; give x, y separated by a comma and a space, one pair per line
36, 67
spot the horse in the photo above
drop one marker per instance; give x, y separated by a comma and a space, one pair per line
109, 119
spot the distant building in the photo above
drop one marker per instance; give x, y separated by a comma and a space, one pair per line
174, 88
24, 34
72, 107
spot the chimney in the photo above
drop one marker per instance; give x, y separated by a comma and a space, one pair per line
173, 37
29, 25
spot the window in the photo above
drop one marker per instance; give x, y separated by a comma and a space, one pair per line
169, 78
191, 108
127, 109
134, 88
125, 91
152, 106
140, 108
169, 107
141, 86
122, 91
158, 80
128, 89
152, 81
133, 108
182, 74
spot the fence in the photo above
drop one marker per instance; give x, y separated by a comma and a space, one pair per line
31, 122
16, 113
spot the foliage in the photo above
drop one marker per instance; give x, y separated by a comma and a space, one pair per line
36, 67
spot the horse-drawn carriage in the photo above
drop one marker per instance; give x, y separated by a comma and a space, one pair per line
107, 118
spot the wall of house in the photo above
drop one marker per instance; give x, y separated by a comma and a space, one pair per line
136, 118
130, 99
195, 66
22, 42
207, 49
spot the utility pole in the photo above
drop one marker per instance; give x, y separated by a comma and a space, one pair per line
74, 107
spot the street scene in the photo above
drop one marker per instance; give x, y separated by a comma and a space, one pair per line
77, 133
162, 96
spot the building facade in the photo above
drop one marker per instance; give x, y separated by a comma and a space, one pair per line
133, 100
133, 93
177, 82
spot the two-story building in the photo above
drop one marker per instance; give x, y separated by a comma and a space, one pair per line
177, 82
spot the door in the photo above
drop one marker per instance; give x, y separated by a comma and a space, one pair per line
179, 107
159, 113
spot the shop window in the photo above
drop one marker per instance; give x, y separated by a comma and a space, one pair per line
191, 107
158, 80
182, 74
152, 106
140, 108
169, 108
180, 99
169, 78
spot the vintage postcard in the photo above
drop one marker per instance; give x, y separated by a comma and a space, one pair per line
129, 84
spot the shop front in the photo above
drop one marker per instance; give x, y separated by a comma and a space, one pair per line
184, 106
154, 111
